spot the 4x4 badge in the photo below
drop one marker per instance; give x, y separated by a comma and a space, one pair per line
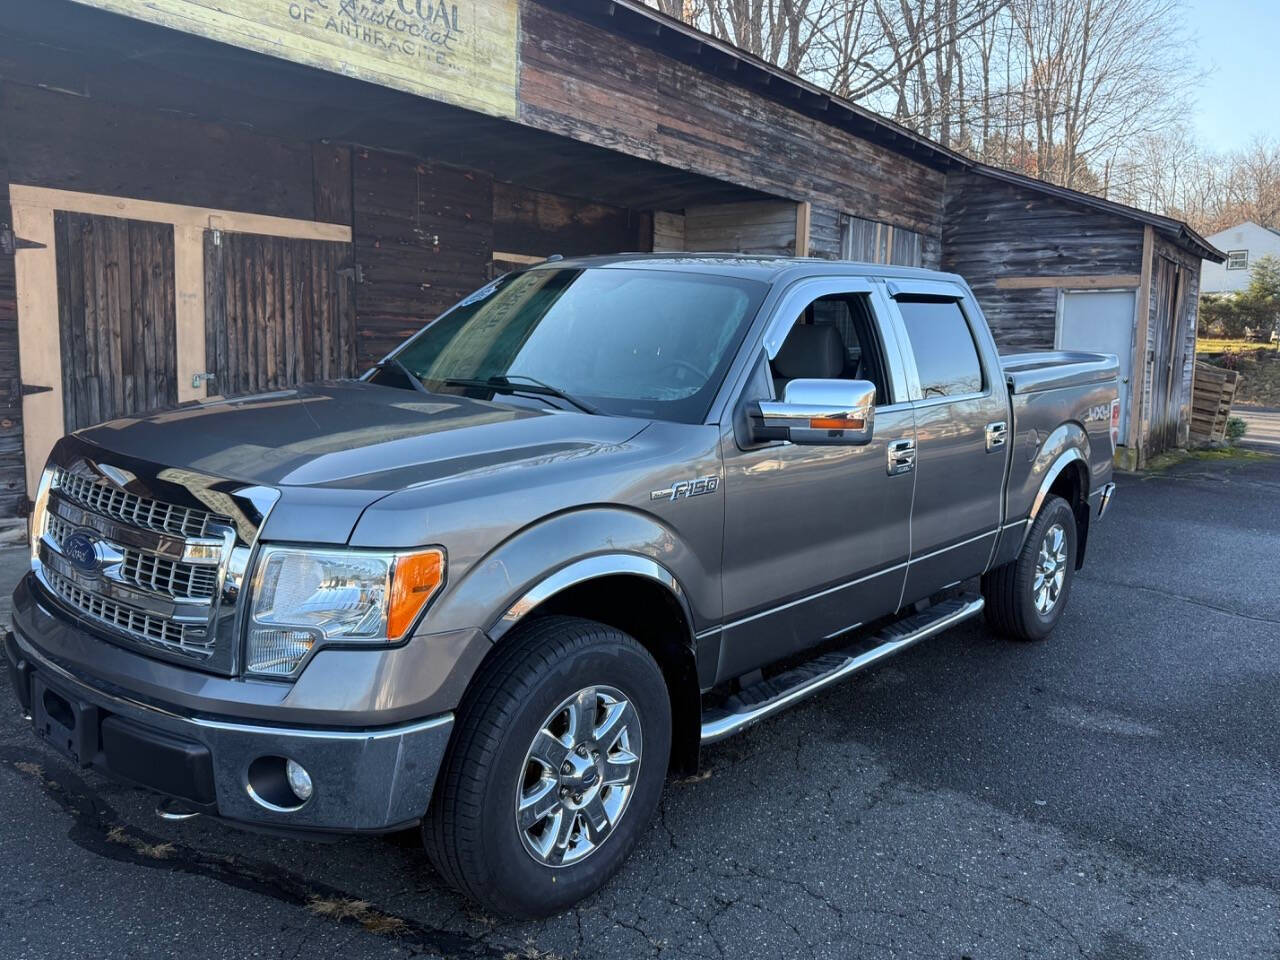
687, 488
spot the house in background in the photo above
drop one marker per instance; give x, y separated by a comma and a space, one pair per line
1243, 244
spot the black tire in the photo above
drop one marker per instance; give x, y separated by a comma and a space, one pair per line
1010, 589
471, 833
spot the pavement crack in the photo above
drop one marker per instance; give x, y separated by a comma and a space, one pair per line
97, 829
1174, 595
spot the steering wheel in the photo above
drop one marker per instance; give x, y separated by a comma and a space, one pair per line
686, 365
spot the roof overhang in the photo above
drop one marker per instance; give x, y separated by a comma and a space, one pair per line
677, 39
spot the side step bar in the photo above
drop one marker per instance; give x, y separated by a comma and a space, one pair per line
767, 697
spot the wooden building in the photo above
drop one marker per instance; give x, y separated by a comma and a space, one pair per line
199, 199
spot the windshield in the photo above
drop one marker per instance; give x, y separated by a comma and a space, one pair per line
644, 343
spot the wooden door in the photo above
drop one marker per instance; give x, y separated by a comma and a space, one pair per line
278, 311
116, 317
1163, 433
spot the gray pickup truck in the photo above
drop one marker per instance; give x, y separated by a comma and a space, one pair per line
599, 514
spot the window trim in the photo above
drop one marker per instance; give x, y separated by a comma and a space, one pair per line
1231, 257
929, 288
796, 299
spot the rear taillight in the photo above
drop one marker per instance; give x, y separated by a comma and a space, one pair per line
1115, 424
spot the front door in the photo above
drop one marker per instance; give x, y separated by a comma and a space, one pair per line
1101, 321
816, 537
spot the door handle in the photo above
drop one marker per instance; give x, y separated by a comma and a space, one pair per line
902, 457
997, 434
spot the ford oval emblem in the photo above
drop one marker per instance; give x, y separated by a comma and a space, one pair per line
81, 549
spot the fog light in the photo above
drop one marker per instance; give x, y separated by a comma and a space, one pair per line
299, 779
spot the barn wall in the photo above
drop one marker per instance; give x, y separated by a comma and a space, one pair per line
88, 145
536, 223
995, 230
1151, 440
583, 82
423, 239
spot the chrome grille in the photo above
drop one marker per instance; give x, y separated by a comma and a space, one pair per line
168, 576
191, 640
171, 578
110, 501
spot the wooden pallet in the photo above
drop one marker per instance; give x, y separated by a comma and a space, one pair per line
1212, 393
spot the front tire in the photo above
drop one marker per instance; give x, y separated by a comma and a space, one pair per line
1025, 597
559, 758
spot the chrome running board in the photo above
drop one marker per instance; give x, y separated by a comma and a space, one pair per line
754, 703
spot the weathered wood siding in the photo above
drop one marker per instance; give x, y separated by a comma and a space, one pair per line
78, 143
536, 223
1169, 357
761, 227
278, 311
995, 230
116, 317
871, 242
423, 239
668, 231
583, 82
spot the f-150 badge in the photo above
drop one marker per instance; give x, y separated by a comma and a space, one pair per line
687, 488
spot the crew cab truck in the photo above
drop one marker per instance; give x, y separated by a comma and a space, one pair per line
601, 513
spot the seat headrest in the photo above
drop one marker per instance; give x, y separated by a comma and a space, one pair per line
810, 351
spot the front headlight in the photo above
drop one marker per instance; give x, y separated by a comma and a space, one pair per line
306, 598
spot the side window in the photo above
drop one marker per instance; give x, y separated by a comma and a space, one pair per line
834, 338
942, 342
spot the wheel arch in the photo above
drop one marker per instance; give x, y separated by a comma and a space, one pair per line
1068, 478
642, 598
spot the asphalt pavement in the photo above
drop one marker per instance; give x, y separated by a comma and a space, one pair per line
1110, 793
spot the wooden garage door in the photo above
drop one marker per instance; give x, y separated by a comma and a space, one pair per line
116, 317
278, 311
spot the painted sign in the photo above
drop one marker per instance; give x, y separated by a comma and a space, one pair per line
460, 51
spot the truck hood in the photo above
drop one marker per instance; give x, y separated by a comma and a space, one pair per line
334, 448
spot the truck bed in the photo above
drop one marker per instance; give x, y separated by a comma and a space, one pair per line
1049, 370
1059, 401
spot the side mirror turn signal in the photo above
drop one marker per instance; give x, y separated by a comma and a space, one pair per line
818, 412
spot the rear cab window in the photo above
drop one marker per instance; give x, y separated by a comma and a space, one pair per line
945, 352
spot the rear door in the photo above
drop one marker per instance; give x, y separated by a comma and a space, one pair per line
962, 434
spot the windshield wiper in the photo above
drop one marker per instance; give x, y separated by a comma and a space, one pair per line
396, 365
509, 385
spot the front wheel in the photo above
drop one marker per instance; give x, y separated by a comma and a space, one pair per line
1025, 597
558, 762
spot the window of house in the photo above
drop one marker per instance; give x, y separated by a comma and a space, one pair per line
946, 356
1237, 259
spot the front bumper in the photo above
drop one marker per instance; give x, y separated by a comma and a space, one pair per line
373, 779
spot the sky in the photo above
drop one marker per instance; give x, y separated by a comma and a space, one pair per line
1239, 41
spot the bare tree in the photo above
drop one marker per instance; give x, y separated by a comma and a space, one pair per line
1065, 90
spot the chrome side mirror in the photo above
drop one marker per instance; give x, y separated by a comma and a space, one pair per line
819, 411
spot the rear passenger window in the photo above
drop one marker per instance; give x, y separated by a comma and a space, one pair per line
946, 356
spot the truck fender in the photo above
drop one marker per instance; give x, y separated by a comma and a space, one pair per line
1066, 448
584, 570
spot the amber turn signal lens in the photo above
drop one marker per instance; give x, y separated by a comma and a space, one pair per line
414, 580
835, 423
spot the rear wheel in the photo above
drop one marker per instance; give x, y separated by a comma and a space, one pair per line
557, 765
1025, 597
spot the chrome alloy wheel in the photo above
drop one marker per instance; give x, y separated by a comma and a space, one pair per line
1051, 569
578, 776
